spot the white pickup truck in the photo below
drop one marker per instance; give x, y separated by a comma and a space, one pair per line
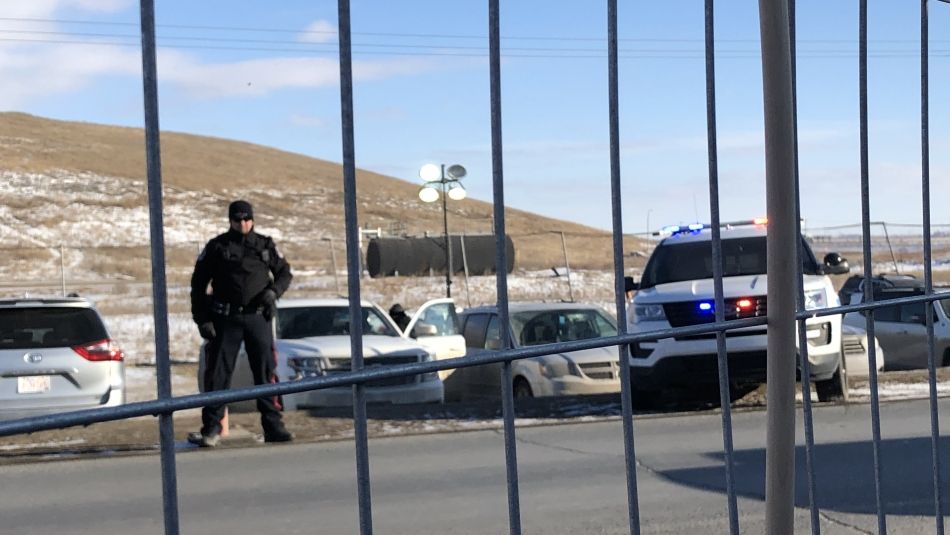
313, 340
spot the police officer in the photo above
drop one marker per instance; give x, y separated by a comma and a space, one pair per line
247, 275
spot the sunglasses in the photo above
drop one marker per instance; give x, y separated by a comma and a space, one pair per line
242, 218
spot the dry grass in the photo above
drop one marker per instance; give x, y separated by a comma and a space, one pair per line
279, 183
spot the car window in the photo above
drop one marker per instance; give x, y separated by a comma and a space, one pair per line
302, 322
493, 334
549, 326
913, 313
675, 262
23, 328
474, 330
945, 303
443, 317
896, 313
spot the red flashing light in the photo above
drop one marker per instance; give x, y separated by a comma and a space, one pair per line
744, 304
99, 351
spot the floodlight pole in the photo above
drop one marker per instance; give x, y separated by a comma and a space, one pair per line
445, 228
455, 172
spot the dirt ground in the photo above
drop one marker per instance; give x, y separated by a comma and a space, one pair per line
140, 435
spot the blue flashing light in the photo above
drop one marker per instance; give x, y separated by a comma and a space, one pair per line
705, 307
696, 226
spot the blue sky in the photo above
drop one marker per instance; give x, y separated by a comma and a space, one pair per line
267, 73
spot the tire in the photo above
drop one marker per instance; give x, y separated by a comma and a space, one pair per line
946, 358
830, 389
522, 389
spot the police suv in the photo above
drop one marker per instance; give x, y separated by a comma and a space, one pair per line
676, 290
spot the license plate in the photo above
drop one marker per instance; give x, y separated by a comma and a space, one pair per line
32, 384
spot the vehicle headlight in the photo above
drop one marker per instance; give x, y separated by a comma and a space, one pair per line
648, 313
558, 366
430, 376
815, 299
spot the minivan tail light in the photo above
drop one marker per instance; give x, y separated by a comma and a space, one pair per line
99, 351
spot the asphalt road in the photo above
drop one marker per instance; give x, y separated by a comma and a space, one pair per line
571, 481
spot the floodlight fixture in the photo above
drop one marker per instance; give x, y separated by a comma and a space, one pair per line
430, 172
428, 194
455, 172
457, 192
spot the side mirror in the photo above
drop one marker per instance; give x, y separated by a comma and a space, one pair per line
629, 285
423, 329
835, 264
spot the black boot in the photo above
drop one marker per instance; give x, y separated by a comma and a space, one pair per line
277, 433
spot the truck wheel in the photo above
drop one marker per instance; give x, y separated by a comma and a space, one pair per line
522, 389
830, 389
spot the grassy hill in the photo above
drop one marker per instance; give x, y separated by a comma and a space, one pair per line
84, 185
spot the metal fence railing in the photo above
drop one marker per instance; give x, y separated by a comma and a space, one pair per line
785, 294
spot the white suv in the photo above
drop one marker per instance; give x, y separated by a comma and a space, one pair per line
677, 290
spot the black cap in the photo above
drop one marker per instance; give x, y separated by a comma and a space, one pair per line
628, 284
240, 210
396, 309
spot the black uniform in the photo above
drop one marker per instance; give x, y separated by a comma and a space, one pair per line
241, 269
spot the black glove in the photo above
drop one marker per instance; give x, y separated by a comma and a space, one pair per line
269, 304
206, 330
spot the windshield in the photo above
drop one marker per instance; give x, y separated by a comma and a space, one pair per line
549, 326
675, 262
304, 322
23, 328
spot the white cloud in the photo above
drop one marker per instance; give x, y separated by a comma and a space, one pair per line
263, 76
30, 73
45, 8
320, 31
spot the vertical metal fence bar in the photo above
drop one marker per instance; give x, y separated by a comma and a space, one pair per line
353, 269
501, 273
802, 339
928, 256
626, 392
722, 358
780, 203
868, 266
153, 164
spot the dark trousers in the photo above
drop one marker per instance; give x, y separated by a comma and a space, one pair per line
220, 356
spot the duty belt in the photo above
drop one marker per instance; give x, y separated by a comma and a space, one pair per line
231, 309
